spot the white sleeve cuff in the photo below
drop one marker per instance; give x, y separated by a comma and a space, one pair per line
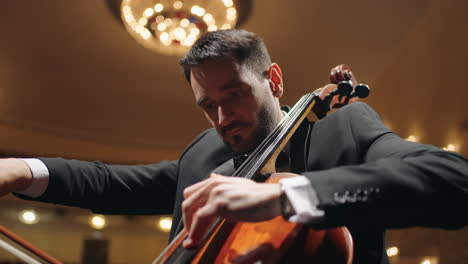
303, 199
40, 181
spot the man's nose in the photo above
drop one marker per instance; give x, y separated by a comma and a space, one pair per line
224, 115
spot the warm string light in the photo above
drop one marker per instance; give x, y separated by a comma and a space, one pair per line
392, 251
29, 217
453, 144
164, 224
430, 260
173, 26
448, 147
97, 221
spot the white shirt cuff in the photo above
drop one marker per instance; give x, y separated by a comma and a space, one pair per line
40, 181
303, 199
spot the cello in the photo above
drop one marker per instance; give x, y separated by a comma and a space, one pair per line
276, 240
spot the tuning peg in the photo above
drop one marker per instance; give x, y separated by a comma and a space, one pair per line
361, 90
344, 88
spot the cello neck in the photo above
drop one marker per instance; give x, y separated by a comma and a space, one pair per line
263, 158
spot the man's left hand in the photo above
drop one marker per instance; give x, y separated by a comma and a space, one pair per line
236, 199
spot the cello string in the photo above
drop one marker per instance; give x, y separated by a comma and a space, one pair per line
269, 145
247, 165
279, 139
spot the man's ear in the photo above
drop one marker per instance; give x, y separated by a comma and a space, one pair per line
276, 80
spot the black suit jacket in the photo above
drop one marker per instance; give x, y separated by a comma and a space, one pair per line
366, 178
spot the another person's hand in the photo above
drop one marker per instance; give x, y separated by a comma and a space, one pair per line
236, 199
15, 175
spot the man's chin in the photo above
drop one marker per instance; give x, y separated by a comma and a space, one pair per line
237, 145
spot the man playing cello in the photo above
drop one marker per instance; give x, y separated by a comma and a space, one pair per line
351, 170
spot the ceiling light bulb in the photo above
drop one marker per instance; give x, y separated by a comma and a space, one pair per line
184, 22
226, 26
142, 21
168, 21
159, 19
149, 12
158, 7
212, 28
228, 3
162, 26
178, 5
164, 36
194, 9
126, 9
146, 34
208, 18
179, 33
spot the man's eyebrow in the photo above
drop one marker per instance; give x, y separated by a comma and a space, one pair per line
228, 86
231, 85
202, 101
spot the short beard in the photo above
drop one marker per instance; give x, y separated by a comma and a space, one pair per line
265, 126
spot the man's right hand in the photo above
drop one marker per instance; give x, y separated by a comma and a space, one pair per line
15, 176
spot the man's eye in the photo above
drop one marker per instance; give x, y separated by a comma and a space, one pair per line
209, 107
237, 94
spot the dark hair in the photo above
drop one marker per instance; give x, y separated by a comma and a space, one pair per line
245, 47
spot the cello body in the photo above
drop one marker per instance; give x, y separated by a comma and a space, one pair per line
268, 242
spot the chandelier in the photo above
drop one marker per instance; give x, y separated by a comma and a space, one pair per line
172, 26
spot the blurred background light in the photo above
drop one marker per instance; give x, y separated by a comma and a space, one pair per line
392, 251
29, 217
167, 26
164, 223
97, 221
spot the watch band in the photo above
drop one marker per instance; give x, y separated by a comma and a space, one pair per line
286, 207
